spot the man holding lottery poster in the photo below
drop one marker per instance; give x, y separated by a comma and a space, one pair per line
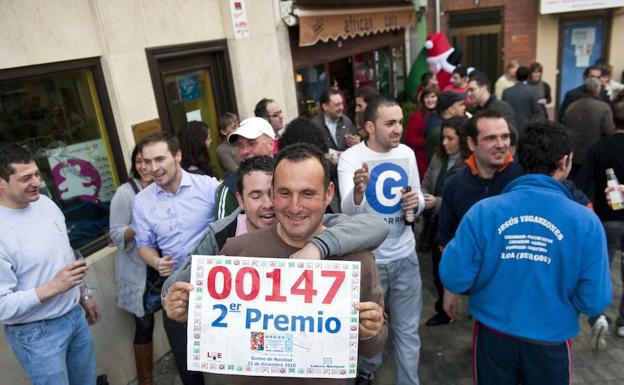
300, 199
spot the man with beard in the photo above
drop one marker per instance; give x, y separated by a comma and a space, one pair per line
374, 177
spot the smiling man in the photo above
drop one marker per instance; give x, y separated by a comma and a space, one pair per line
373, 177
40, 285
490, 168
170, 216
255, 197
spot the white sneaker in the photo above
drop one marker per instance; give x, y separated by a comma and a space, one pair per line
620, 331
599, 332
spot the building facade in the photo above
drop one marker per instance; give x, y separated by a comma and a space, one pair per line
565, 37
81, 81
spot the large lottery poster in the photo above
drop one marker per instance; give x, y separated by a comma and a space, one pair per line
274, 317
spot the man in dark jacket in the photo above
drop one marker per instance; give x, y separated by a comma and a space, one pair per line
479, 88
576, 93
587, 119
340, 131
523, 99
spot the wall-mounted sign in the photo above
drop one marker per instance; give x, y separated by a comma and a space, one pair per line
143, 129
239, 19
559, 6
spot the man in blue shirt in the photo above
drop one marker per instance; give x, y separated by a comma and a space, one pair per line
531, 260
170, 216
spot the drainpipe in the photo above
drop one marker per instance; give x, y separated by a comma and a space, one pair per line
437, 16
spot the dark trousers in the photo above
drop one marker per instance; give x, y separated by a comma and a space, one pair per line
176, 334
436, 257
499, 359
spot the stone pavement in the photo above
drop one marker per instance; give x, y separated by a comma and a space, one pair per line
446, 350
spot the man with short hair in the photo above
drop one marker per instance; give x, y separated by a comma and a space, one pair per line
531, 260
42, 283
576, 93
587, 119
479, 87
269, 109
523, 99
302, 191
374, 177
170, 216
450, 104
340, 131
254, 195
490, 168
253, 137
459, 82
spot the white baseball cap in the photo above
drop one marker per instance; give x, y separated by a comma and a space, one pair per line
252, 128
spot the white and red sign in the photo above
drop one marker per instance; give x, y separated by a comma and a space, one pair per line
274, 317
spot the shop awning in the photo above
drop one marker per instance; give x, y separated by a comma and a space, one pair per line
324, 24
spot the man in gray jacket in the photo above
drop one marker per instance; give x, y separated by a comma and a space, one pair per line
342, 235
523, 99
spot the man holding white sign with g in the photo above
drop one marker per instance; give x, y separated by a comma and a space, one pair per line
280, 317
379, 176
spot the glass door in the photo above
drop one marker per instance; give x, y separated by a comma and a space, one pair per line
193, 82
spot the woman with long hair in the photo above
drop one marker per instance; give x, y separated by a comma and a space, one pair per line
131, 273
194, 140
415, 134
448, 160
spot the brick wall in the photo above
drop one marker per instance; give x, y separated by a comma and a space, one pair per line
519, 24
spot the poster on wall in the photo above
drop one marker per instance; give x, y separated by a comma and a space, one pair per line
189, 87
583, 40
239, 19
273, 317
559, 6
82, 170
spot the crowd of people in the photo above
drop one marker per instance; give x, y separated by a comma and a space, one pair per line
512, 208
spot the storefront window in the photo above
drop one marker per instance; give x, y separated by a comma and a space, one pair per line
58, 117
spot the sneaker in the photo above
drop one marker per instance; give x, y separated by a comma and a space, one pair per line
439, 319
600, 328
620, 331
364, 378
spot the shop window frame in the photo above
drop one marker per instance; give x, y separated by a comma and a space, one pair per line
94, 65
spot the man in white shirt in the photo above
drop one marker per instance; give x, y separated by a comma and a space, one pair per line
373, 177
41, 282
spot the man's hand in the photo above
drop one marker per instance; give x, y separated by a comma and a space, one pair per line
309, 251
611, 188
165, 266
451, 305
360, 181
352, 139
92, 310
371, 319
68, 277
410, 200
176, 301
430, 201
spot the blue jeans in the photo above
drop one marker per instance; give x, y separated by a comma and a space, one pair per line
58, 351
403, 299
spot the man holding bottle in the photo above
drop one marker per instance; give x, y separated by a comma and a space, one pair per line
375, 177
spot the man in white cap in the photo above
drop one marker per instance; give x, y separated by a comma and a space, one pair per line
253, 137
